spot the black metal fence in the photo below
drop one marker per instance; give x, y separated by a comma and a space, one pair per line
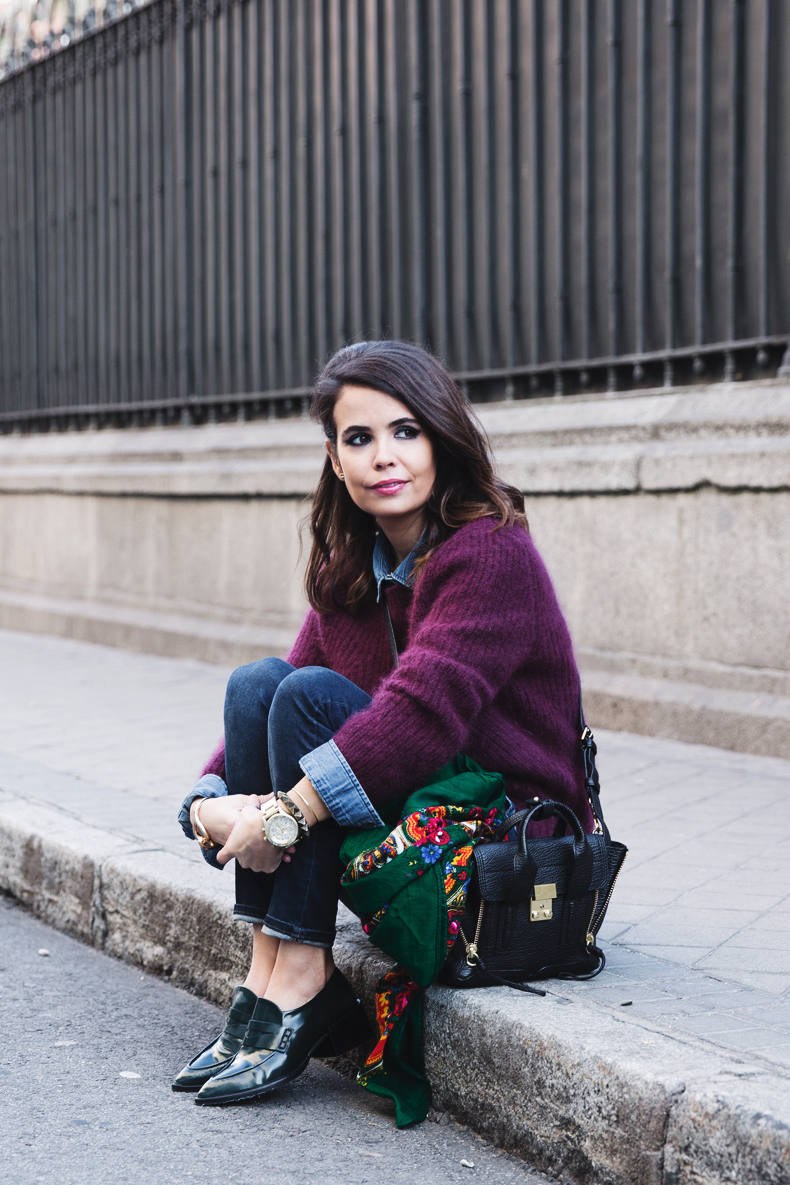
198, 202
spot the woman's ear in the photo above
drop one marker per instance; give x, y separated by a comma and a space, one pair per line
332, 451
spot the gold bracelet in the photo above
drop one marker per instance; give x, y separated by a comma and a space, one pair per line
202, 836
307, 806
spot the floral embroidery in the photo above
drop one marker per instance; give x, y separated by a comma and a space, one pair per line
431, 831
430, 853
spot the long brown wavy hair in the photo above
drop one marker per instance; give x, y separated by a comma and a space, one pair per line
340, 568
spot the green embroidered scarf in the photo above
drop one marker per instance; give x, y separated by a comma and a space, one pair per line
408, 883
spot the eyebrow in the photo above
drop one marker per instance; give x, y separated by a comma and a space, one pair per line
393, 424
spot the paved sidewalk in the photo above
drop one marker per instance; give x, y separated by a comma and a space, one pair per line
695, 935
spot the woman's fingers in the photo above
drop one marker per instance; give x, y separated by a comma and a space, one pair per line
248, 844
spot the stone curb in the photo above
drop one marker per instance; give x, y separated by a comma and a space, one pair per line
579, 1092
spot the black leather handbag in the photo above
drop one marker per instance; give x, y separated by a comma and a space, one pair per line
535, 906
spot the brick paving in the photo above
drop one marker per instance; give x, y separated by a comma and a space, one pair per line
695, 935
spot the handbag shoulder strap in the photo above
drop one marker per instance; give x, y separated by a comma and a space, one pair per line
592, 782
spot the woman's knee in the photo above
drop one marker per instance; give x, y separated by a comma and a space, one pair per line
254, 685
316, 691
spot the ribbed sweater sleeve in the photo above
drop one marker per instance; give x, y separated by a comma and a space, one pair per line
475, 629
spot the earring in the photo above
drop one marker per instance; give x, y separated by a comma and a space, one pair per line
341, 476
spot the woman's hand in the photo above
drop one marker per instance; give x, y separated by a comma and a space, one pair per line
250, 846
220, 815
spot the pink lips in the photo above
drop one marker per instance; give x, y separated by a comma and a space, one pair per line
388, 487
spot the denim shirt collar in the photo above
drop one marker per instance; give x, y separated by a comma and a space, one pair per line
381, 565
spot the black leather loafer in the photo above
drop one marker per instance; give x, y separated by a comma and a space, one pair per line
221, 1051
278, 1045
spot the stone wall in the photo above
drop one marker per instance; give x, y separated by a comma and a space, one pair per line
664, 519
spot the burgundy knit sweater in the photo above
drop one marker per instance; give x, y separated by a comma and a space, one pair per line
486, 669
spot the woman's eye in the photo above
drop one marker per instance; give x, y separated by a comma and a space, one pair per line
358, 438
407, 433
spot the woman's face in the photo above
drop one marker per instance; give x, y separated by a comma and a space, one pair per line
384, 455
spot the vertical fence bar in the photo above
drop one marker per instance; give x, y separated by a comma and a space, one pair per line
112, 118
9, 235
736, 182
643, 175
158, 304
211, 249
615, 183
673, 182
563, 221
303, 206
419, 171
146, 216
702, 189
588, 175
196, 100
394, 205
224, 195
7, 231
373, 131
354, 87
70, 311
253, 209
486, 288
185, 208
767, 171
465, 269
126, 392
80, 204
538, 180
62, 165
285, 221
90, 181
320, 117
47, 275
238, 33
11, 311
514, 347
136, 389
31, 209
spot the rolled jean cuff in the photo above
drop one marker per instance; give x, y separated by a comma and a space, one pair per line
209, 786
336, 784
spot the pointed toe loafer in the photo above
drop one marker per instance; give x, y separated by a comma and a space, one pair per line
221, 1051
278, 1045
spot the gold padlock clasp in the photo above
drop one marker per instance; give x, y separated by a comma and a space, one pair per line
540, 907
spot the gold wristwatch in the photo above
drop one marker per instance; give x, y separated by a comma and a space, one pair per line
283, 822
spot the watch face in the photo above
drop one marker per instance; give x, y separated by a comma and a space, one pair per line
282, 830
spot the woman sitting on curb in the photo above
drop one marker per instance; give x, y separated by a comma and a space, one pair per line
407, 510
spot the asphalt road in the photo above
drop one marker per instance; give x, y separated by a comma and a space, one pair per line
89, 1047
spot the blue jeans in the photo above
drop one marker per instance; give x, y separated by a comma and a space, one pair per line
274, 715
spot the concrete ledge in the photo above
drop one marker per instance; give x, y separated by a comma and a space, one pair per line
749, 722
581, 1091
733, 438
144, 631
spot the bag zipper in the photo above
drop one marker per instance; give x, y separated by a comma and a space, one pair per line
472, 957
591, 935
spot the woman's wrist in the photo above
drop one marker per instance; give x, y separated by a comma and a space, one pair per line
306, 793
